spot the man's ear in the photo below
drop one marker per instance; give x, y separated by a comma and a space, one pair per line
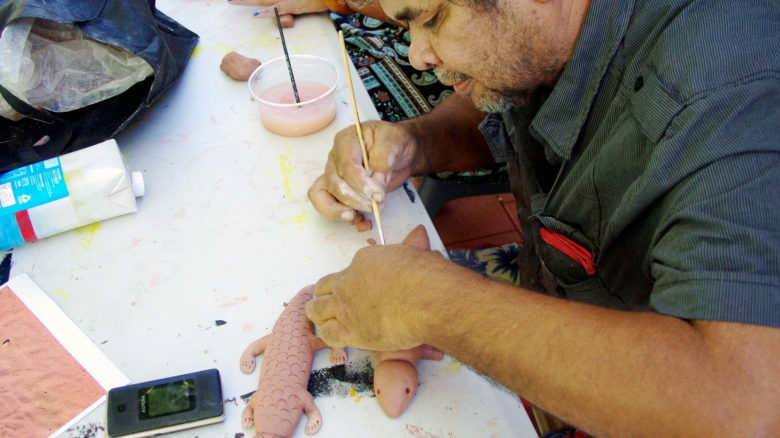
418, 238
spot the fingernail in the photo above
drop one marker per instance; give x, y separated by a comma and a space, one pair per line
379, 177
377, 197
347, 215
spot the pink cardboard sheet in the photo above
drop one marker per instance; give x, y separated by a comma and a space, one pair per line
42, 385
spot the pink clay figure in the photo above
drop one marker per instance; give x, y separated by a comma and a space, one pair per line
395, 377
281, 397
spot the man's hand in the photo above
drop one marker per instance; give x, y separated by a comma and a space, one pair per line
346, 186
376, 303
295, 7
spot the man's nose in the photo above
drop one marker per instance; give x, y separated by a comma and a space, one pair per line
421, 53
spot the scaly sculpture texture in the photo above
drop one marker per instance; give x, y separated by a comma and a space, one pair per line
288, 353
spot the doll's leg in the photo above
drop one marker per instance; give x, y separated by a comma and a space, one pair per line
337, 357
248, 356
313, 416
248, 416
432, 353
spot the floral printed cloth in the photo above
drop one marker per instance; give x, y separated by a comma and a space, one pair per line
379, 52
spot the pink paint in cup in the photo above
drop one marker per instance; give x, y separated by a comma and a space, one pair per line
316, 80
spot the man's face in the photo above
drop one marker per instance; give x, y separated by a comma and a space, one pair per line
497, 57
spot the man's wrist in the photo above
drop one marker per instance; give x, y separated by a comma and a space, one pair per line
338, 6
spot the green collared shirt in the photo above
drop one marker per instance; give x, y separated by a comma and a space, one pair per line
657, 155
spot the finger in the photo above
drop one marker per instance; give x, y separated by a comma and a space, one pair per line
341, 190
294, 7
377, 159
326, 204
351, 169
345, 194
252, 2
321, 309
334, 333
325, 285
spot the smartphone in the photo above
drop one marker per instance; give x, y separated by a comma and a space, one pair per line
165, 405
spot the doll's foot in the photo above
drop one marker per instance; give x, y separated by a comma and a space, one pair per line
247, 363
338, 356
313, 423
247, 417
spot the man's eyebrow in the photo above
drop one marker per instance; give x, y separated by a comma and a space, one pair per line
408, 14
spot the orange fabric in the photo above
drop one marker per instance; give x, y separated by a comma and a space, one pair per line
339, 6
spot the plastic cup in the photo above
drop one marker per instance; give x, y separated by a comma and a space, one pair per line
316, 80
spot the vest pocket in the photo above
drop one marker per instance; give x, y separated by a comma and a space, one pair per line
569, 263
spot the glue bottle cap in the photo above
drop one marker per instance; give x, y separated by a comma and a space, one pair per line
138, 184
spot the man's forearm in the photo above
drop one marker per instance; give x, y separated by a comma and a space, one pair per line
448, 137
613, 373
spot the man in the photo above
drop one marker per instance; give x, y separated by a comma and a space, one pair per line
643, 140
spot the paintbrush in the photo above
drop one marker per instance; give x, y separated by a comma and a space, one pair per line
374, 207
287, 56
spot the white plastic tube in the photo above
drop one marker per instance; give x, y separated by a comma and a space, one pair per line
67, 192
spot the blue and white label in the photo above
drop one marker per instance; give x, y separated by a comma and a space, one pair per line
32, 185
25, 188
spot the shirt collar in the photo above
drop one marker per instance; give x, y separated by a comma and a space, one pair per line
560, 119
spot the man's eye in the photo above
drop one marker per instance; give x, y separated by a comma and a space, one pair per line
430, 24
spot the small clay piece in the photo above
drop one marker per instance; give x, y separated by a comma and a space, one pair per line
358, 218
238, 66
395, 377
287, 20
281, 397
364, 226
371, 241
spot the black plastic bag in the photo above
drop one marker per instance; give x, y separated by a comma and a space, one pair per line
134, 25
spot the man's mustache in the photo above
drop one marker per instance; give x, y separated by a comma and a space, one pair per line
447, 76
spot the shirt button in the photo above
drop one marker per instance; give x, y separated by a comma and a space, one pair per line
638, 83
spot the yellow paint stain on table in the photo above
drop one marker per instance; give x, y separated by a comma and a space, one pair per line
287, 176
453, 367
266, 42
196, 51
87, 233
62, 293
300, 219
218, 47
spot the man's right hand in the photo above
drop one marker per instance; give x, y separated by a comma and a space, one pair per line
347, 186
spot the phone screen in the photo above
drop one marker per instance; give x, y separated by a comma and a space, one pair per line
166, 399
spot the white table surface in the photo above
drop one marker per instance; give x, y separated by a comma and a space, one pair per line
225, 233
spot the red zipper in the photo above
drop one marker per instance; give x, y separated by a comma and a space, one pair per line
572, 249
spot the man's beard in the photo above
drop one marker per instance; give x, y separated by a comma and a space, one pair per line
491, 100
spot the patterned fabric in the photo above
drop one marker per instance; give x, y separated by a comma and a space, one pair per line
497, 263
379, 52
